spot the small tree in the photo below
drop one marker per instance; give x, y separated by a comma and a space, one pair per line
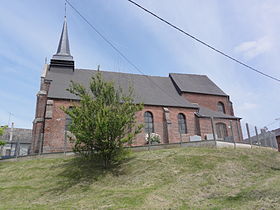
2, 143
104, 120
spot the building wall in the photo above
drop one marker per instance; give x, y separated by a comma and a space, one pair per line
206, 128
174, 135
165, 124
167, 128
10, 149
55, 140
38, 123
278, 141
210, 101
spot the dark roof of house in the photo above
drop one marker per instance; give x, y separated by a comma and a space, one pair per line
20, 135
150, 90
193, 83
276, 131
205, 112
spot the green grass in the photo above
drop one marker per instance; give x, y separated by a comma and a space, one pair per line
182, 178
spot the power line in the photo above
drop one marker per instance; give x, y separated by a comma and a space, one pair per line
118, 51
204, 43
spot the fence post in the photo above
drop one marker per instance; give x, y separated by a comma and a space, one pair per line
263, 132
231, 128
213, 128
65, 139
17, 149
257, 135
270, 138
181, 141
248, 132
238, 131
149, 140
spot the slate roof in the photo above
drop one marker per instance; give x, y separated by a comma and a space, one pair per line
193, 83
277, 132
20, 135
205, 112
63, 50
150, 90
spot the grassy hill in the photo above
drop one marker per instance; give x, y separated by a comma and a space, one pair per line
182, 178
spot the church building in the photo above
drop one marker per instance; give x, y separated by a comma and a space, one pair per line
177, 108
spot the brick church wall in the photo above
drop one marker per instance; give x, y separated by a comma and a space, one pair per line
206, 128
174, 135
54, 136
169, 133
38, 123
210, 101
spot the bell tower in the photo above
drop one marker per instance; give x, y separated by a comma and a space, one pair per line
63, 58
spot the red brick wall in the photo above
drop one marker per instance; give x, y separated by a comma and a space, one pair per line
54, 128
38, 125
210, 101
172, 135
54, 137
278, 141
206, 128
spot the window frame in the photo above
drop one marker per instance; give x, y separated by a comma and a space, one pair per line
182, 123
149, 122
221, 107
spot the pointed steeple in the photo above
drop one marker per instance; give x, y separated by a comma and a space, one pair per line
63, 57
63, 50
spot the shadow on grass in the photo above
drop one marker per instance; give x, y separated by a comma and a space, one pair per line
82, 172
253, 195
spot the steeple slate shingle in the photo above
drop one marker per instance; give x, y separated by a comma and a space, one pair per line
63, 57
63, 50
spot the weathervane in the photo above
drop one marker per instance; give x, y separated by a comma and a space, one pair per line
65, 9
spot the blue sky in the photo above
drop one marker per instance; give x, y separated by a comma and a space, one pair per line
247, 30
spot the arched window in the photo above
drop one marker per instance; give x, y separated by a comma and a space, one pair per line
221, 130
221, 107
182, 125
68, 120
149, 122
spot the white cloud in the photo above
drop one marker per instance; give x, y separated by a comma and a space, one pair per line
252, 49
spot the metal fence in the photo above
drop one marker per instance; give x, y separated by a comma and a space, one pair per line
259, 136
248, 134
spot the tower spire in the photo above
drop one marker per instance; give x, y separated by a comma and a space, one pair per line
63, 50
63, 57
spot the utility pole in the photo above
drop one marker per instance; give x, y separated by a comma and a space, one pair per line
10, 114
11, 132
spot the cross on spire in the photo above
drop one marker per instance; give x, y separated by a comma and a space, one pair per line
65, 9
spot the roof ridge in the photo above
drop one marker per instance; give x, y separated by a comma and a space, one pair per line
79, 69
217, 112
190, 74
